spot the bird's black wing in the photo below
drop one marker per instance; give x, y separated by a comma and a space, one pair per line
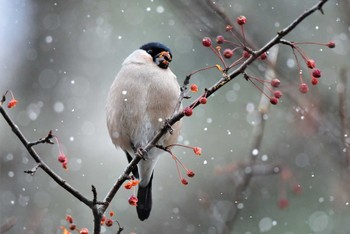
135, 170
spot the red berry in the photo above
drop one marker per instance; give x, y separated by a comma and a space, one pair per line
331, 44
277, 94
263, 56
228, 53
275, 83
316, 73
109, 222
133, 200
229, 28
128, 185
203, 100
184, 181
303, 88
194, 88
283, 203
84, 231
188, 111
62, 158
103, 219
220, 39
206, 41
241, 20
197, 150
12, 103
314, 81
246, 54
69, 219
273, 100
310, 63
190, 173
72, 227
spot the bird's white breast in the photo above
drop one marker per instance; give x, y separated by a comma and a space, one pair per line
141, 97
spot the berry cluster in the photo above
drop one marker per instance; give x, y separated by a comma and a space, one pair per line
73, 227
265, 86
132, 184
189, 173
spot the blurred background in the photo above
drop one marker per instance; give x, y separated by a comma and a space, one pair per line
60, 57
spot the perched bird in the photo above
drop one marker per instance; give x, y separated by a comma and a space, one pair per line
142, 97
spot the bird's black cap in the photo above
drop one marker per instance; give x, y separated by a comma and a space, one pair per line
154, 48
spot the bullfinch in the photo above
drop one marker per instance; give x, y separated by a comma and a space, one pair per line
142, 97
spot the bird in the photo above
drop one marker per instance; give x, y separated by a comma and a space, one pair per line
142, 97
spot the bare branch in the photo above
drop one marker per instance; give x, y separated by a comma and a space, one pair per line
41, 163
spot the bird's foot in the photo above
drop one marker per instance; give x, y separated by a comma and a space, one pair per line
167, 124
141, 152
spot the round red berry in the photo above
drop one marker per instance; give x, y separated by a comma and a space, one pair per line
310, 63
331, 44
109, 222
188, 111
241, 20
190, 173
246, 54
194, 88
203, 100
69, 219
62, 158
275, 82
314, 81
273, 100
263, 56
303, 88
316, 73
72, 227
228, 53
184, 181
277, 94
206, 41
220, 39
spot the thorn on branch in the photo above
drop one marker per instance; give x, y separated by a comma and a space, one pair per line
33, 171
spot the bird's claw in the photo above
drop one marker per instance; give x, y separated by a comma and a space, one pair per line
141, 152
167, 124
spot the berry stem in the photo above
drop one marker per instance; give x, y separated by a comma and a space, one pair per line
298, 64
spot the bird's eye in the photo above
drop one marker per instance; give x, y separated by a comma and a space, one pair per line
149, 51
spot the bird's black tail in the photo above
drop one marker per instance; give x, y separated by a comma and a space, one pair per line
144, 204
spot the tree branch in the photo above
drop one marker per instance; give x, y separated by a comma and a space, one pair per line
41, 163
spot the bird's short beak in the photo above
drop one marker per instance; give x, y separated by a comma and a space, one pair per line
163, 59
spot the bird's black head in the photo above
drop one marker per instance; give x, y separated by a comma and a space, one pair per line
160, 53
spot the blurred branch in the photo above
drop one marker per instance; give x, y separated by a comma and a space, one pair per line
342, 89
7, 225
258, 133
99, 208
